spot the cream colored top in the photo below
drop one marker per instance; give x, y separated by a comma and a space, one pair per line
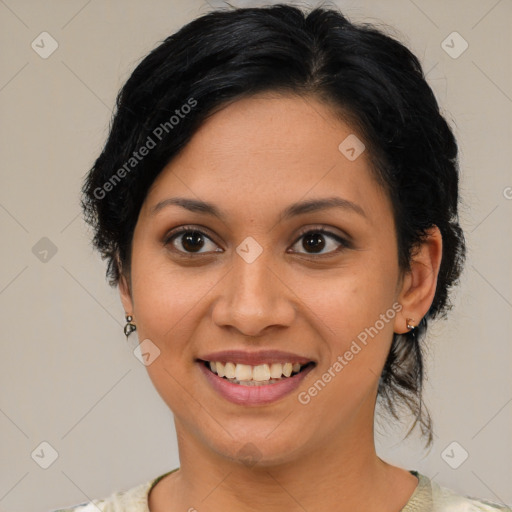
427, 497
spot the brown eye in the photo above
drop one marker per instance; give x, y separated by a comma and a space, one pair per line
190, 241
315, 241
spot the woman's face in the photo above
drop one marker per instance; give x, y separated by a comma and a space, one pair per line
252, 281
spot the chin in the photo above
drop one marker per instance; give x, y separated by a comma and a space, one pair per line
259, 452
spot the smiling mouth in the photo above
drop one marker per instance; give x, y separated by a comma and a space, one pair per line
259, 375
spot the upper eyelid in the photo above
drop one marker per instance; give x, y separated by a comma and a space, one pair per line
185, 229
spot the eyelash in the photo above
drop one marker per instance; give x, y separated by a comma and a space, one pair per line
345, 244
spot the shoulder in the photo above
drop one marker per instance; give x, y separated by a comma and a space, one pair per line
131, 500
447, 500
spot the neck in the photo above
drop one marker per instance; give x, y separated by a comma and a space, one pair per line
344, 474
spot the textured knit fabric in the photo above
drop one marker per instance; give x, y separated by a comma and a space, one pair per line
427, 497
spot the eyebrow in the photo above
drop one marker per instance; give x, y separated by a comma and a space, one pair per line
293, 210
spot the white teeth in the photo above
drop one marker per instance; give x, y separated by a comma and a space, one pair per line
243, 372
260, 373
246, 373
276, 370
230, 370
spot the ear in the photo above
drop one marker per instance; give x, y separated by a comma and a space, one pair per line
125, 291
418, 285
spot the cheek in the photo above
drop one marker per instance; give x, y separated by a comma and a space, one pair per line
166, 306
160, 297
357, 318
169, 300
356, 310
355, 297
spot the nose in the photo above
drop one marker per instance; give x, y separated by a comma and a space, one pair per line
254, 299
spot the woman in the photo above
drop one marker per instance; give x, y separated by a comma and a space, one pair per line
277, 202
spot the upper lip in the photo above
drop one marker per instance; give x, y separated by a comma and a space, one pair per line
255, 358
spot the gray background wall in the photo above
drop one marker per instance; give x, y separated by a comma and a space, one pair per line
67, 376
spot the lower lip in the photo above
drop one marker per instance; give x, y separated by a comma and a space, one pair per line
254, 395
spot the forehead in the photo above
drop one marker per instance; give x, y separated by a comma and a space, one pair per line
269, 149
282, 127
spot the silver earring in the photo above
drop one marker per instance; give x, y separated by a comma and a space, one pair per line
410, 324
129, 326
